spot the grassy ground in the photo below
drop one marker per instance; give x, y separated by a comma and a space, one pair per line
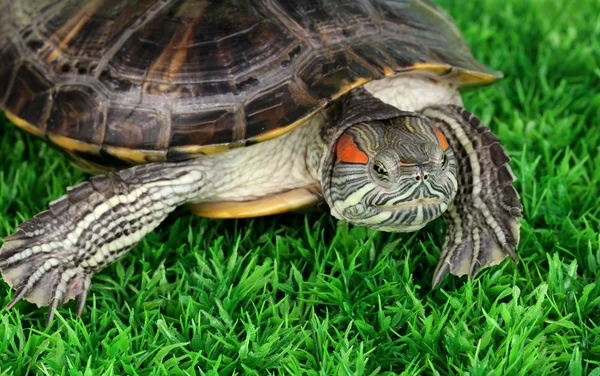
304, 294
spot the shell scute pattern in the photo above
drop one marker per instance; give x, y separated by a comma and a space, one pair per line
287, 101
330, 22
76, 114
325, 75
136, 128
30, 100
190, 128
9, 56
122, 82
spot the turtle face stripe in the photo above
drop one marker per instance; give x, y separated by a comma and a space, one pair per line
348, 152
399, 183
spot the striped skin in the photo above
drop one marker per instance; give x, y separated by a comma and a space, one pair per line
482, 215
431, 159
419, 181
483, 226
52, 257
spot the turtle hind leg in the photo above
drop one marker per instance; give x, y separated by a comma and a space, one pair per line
483, 225
52, 257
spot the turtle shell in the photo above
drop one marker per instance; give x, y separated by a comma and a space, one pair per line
121, 82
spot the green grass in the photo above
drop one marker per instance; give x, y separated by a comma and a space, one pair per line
307, 295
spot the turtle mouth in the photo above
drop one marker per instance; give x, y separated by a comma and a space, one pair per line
418, 203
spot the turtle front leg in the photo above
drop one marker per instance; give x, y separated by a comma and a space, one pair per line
52, 257
483, 225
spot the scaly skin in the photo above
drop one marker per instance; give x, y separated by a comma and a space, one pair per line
377, 166
482, 225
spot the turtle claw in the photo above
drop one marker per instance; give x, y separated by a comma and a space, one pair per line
475, 245
81, 298
50, 317
19, 294
41, 271
58, 298
52, 257
483, 225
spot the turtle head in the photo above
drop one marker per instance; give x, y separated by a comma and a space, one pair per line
393, 175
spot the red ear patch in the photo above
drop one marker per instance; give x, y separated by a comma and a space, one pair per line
441, 139
347, 151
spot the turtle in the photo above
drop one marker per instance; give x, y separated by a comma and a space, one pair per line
248, 108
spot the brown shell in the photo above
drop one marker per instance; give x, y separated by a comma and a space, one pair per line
131, 81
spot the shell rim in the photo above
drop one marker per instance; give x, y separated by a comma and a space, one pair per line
464, 78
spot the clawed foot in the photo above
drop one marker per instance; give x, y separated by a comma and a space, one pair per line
473, 243
483, 225
40, 270
52, 257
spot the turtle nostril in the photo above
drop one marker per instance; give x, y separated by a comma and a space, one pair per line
418, 178
425, 176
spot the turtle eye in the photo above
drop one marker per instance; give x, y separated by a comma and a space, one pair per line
380, 171
444, 161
